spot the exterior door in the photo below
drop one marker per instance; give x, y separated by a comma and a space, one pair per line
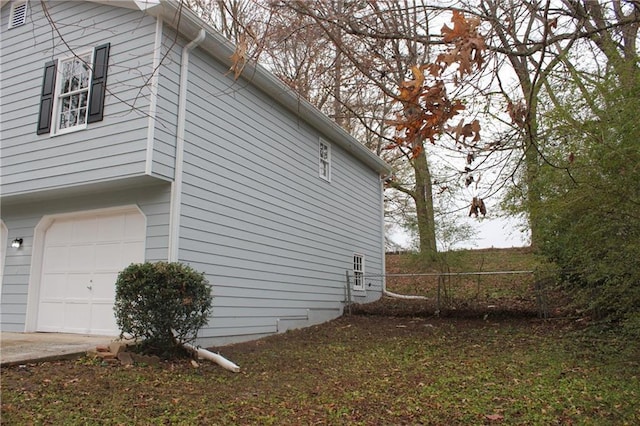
82, 258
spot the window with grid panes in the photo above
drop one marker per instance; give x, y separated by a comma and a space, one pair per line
358, 272
73, 92
324, 162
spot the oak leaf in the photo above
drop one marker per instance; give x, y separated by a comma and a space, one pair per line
239, 57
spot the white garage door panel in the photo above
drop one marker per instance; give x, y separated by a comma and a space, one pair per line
82, 258
103, 289
78, 287
60, 232
72, 312
55, 288
102, 320
50, 317
55, 258
107, 255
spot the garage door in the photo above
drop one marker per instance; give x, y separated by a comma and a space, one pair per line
81, 260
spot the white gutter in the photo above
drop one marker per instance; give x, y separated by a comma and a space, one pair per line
176, 186
381, 181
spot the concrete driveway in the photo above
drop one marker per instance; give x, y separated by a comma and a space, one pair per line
24, 348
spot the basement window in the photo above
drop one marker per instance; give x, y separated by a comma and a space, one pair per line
358, 272
18, 15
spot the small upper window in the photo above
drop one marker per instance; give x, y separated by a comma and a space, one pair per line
358, 272
18, 14
325, 160
72, 92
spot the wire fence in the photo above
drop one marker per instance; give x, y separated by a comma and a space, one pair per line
517, 292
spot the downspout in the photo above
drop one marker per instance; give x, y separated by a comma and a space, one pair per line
176, 186
386, 292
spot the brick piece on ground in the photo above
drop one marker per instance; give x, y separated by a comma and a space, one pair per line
117, 346
102, 348
106, 355
125, 358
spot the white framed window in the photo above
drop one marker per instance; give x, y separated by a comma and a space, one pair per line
324, 160
358, 272
73, 84
18, 15
73, 91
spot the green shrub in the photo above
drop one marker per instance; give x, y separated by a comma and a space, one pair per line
162, 304
587, 219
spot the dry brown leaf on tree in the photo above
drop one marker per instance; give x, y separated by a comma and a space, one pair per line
469, 44
477, 207
239, 57
426, 108
518, 113
467, 130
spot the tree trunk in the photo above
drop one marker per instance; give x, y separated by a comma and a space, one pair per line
423, 197
338, 115
531, 164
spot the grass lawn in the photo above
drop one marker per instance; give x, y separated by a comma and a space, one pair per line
360, 369
395, 363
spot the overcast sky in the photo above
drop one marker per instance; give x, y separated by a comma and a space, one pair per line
497, 232
489, 232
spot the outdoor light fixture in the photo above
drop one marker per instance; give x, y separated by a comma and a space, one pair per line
17, 243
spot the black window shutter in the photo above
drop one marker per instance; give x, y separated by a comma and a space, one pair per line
98, 83
46, 98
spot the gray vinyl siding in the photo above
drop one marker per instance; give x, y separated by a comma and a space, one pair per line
21, 220
166, 117
273, 237
110, 149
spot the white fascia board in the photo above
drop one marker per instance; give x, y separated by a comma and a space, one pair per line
144, 5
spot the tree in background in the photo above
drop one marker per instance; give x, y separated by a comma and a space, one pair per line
589, 211
530, 44
525, 42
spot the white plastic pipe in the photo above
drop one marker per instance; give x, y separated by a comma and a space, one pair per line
403, 296
217, 358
